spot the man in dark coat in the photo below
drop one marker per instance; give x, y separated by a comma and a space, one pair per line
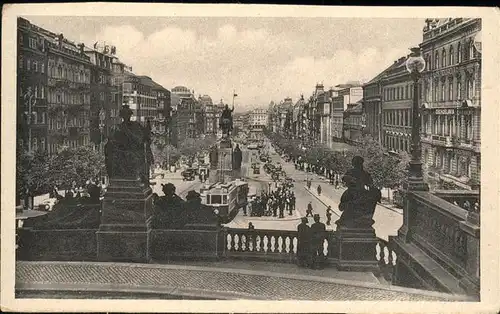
318, 230
309, 210
303, 243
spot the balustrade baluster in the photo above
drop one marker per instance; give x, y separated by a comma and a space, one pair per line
272, 244
237, 242
260, 244
325, 247
267, 243
295, 241
287, 244
279, 244
243, 241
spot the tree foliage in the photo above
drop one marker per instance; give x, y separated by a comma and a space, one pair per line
31, 173
75, 164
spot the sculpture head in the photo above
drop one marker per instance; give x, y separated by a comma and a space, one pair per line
357, 162
226, 107
126, 113
304, 220
168, 189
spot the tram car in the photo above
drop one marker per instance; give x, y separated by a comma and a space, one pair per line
226, 198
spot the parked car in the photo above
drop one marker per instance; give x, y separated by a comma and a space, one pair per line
48, 204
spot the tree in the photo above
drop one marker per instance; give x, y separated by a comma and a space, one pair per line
75, 164
31, 173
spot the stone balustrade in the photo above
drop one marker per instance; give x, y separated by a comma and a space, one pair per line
386, 258
438, 245
272, 245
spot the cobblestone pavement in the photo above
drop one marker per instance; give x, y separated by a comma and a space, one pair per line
240, 284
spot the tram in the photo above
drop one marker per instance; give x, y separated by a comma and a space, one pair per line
226, 198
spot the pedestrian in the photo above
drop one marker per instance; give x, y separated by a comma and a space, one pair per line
282, 208
318, 233
275, 208
292, 201
329, 215
309, 210
303, 243
319, 190
244, 210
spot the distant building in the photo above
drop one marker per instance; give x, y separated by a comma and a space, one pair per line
353, 123
209, 110
258, 119
349, 93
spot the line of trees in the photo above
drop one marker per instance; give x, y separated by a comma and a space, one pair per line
388, 171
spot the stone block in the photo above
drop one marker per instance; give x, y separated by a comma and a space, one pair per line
186, 244
357, 249
122, 246
59, 245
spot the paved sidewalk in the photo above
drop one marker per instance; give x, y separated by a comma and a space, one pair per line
95, 280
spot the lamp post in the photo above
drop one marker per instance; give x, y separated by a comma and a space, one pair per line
415, 65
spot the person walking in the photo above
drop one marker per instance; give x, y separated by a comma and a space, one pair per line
303, 243
329, 215
309, 210
318, 233
274, 205
282, 207
319, 190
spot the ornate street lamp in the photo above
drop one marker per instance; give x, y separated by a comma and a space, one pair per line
415, 65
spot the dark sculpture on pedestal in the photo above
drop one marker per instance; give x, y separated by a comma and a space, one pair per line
237, 158
358, 202
128, 152
226, 121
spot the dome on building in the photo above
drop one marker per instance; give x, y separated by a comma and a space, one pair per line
206, 100
182, 91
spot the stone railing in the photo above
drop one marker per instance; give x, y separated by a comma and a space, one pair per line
468, 200
438, 245
386, 258
270, 245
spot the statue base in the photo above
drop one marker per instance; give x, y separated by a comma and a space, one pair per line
123, 233
356, 249
170, 244
225, 143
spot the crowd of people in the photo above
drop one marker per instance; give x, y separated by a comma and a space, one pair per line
274, 203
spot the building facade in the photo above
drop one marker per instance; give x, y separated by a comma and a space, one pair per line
354, 123
372, 107
209, 110
451, 98
349, 93
101, 101
258, 120
397, 102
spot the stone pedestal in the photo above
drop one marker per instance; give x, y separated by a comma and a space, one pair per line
186, 244
123, 233
357, 249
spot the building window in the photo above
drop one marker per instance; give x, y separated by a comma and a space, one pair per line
32, 43
452, 56
42, 67
459, 53
470, 87
35, 144
436, 60
459, 88
450, 88
443, 91
443, 58
28, 64
471, 50
21, 62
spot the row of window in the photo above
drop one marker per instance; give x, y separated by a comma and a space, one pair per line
449, 88
397, 117
56, 124
64, 97
36, 66
398, 93
37, 90
444, 125
40, 144
397, 144
451, 163
450, 57
72, 73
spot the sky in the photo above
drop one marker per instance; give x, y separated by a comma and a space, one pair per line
262, 59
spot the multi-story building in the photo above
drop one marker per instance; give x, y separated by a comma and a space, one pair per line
397, 95
257, 122
209, 109
354, 123
68, 93
118, 73
162, 122
451, 97
372, 107
189, 114
322, 102
32, 91
349, 93
101, 101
